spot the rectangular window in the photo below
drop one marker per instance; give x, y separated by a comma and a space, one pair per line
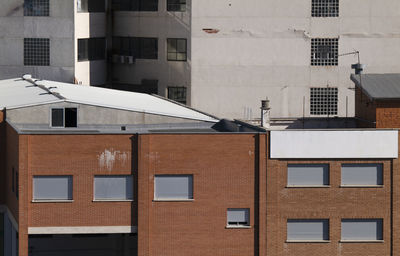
362, 229
36, 8
308, 174
325, 8
138, 47
176, 49
16, 184
177, 94
91, 49
362, 174
13, 180
52, 187
237, 217
135, 5
113, 187
36, 51
307, 230
323, 101
91, 5
324, 51
173, 187
64, 117
176, 5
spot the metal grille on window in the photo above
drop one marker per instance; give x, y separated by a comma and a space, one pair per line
324, 51
176, 48
36, 51
323, 101
177, 94
36, 8
325, 8
176, 5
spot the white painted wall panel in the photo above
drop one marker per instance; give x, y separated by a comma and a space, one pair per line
334, 144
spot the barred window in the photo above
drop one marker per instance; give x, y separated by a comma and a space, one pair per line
176, 5
36, 52
323, 101
135, 5
325, 8
177, 94
91, 5
176, 49
36, 8
91, 49
324, 51
138, 47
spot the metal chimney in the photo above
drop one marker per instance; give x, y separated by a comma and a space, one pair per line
265, 113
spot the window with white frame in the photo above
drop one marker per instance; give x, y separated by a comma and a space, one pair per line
173, 187
177, 94
307, 229
324, 51
362, 174
113, 187
325, 8
362, 229
64, 117
36, 51
308, 175
324, 101
36, 8
52, 187
176, 49
238, 217
176, 5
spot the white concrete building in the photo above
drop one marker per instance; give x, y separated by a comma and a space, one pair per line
220, 56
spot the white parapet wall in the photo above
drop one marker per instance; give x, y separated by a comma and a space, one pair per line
324, 144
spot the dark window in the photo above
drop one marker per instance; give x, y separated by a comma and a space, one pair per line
324, 51
91, 6
136, 5
36, 8
13, 180
16, 185
177, 94
64, 117
138, 47
323, 101
176, 5
325, 8
176, 49
36, 51
91, 49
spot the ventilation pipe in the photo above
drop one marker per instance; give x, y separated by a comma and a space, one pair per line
358, 68
265, 113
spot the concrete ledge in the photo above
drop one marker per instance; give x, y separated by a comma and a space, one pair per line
308, 241
82, 230
308, 186
361, 186
238, 227
361, 241
173, 200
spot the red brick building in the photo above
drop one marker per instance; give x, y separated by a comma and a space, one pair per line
89, 175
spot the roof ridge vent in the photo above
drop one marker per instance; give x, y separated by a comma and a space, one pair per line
29, 78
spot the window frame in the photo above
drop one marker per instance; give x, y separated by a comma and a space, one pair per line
363, 220
90, 7
113, 199
30, 13
63, 108
174, 199
380, 168
325, 232
92, 49
70, 186
39, 56
176, 99
180, 4
317, 5
177, 52
325, 175
324, 107
238, 224
317, 58
134, 6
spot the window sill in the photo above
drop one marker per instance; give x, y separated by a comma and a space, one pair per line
173, 200
308, 186
361, 186
361, 241
238, 227
52, 201
112, 200
308, 241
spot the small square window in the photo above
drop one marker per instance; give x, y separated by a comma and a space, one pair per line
176, 49
323, 101
238, 217
173, 187
64, 117
308, 175
113, 187
36, 51
36, 8
362, 174
52, 187
324, 51
176, 5
308, 230
177, 94
325, 8
362, 229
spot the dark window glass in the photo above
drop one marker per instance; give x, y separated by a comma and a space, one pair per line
36, 7
91, 5
176, 49
138, 47
57, 117
91, 49
135, 5
16, 185
13, 180
177, 94
36, 51
71, 117
176, 5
